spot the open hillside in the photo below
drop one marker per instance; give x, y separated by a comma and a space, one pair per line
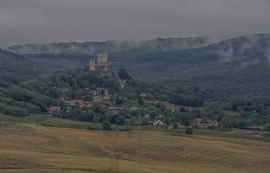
237, 67
47, 149
16, 69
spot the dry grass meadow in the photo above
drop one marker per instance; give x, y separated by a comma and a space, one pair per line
35, 148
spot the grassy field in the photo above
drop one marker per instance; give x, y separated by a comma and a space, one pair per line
41, 143
35, 148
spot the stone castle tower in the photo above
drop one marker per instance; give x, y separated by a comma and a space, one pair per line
102, 65
102, 59
92, 64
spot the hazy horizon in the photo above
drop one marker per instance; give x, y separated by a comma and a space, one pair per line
43, 22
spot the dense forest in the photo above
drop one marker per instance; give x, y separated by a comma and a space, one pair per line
238, 67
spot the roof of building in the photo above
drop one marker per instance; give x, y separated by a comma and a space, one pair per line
74, 101
96, 99
198, 120
212, 121
99, 89
52, 108
66, 99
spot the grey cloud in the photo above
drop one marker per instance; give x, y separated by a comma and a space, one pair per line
47, 21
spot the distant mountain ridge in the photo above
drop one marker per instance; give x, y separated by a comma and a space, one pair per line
91, 48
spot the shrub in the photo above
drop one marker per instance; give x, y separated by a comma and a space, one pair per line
189, 131
107, 125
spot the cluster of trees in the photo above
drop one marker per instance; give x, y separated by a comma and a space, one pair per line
16, 101
75, 80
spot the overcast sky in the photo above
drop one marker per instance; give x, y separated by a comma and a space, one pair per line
53, 21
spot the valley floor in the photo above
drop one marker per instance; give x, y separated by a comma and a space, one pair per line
35, 148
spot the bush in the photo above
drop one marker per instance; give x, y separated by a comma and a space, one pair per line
107, 125
189, 131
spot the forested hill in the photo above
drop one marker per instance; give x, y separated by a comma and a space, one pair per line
16, 69
92, 48
237, 67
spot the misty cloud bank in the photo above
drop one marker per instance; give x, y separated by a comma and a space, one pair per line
91, 48
249, 49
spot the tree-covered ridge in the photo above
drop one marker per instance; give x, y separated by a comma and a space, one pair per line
17, 101
16, 69
237, 67
75, 80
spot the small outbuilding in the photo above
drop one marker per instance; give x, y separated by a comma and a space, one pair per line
158, 123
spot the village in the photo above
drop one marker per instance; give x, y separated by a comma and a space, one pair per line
99, 104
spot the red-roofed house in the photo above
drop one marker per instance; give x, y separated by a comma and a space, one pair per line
72, 102
96, 99
197, 121
54, 108
212, 122
87, 89
98, 103
86, 104
107, 97
105, 90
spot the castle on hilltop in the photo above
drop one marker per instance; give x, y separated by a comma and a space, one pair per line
103, 67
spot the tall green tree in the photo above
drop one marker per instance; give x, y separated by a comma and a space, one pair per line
175, 124
120, 120
185, 121
140, 101
267, 127
123, 74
